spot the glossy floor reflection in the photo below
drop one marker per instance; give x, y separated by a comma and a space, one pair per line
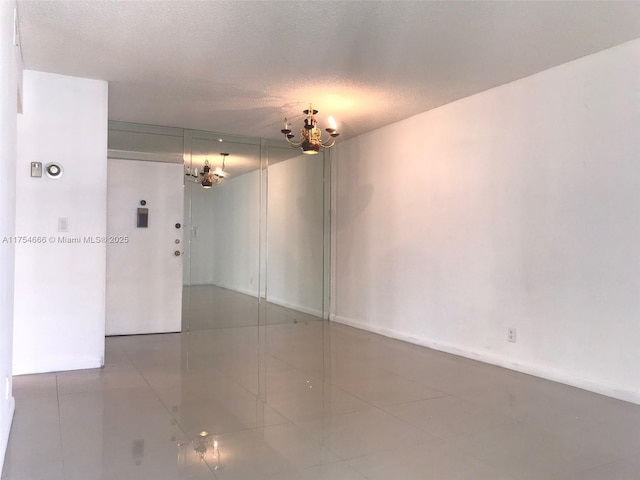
309, 401
209, 306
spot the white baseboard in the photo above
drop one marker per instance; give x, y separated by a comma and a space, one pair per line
244, 291
301, 308
224, 286
47, 365
4, 434
541, 371
276, 301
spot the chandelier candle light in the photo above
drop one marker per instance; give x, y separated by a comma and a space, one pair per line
310, 133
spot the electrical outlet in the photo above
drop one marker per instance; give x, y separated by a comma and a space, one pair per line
512, 335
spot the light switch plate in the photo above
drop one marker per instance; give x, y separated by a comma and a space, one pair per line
36, 169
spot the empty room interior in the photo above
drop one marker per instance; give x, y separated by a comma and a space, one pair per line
329, 240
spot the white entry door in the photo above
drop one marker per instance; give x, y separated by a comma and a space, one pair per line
144, 263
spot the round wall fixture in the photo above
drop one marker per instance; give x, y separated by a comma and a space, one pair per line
53, 170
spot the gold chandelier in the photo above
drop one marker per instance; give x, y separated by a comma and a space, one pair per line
310, 133
208, 177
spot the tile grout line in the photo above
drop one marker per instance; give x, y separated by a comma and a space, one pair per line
64, 473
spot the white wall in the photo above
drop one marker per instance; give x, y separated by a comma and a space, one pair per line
8, 102
60, 288
517, 207
295, 238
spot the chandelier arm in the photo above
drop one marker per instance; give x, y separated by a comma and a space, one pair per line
293, 144
331, 142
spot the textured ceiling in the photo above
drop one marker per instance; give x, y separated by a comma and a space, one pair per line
239, 67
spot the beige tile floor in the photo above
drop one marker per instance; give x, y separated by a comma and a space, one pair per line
307, 401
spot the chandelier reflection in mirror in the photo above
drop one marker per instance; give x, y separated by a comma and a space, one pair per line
208, 177
310, 133
207, 449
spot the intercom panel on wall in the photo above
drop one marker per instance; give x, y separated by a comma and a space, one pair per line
143, 218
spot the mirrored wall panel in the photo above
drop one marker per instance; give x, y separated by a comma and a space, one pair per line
296, 212
222, 223
255, 230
